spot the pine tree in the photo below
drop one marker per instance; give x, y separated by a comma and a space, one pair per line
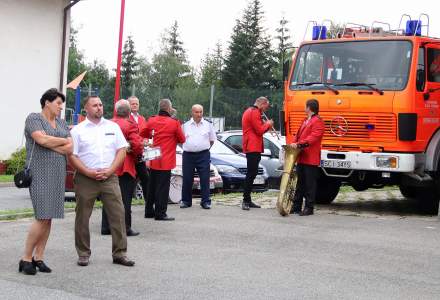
174, 44
251, 58
284, 51
283, 38
130, 63
212, 65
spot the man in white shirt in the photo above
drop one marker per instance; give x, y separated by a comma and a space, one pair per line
200, 136
99, 148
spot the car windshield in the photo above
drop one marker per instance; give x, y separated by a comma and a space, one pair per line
383, 65
220, 148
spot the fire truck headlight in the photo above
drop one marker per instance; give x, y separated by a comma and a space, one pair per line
390, 162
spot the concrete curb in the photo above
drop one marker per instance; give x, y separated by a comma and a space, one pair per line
6, 184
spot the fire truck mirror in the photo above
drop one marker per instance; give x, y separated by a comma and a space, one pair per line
420, 80
286, 67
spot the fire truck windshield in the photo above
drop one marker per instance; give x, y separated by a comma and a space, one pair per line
382, 64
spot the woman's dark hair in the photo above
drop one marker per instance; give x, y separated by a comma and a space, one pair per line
313, 105
50, 95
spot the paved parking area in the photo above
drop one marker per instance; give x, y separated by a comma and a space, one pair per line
227, 253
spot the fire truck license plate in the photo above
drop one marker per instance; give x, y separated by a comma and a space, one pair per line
338, 164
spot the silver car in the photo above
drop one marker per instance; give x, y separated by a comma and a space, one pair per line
270, 158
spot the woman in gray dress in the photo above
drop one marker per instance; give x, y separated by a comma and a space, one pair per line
47, 144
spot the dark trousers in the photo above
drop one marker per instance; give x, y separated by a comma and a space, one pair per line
199, 161
305, 186
127, 185
158, 193
142, 174
253, 159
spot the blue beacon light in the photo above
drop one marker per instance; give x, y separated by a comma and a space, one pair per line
319, 33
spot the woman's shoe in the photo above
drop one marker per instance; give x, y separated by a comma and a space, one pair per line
27, 267
42, 267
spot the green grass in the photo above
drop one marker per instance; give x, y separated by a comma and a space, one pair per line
15, 214
6, 178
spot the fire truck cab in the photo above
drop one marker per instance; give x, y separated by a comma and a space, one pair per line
379, 96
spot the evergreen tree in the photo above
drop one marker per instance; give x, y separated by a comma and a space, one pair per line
170, 68
130, 63
173, 43
251, 59
284, 51
212, 65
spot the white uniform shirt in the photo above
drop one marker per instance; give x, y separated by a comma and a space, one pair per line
198, 136
96, 144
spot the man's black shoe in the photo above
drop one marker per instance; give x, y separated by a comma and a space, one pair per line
123, 261
253, 205
205, 205
164, 218
132, 232
306, 212
149, 216
295, 211
184, 205
245, 206
105, 232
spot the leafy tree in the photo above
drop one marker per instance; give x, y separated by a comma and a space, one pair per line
251, 59
211, 69
76, 64
130, 64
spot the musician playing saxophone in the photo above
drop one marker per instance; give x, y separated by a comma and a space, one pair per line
308, 139
253, 130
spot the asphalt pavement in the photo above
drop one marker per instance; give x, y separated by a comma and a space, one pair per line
227, 253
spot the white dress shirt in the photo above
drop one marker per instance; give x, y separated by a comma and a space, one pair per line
135, 117
96, 144
198, 136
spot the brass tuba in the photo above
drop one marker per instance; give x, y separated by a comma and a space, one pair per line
288, 181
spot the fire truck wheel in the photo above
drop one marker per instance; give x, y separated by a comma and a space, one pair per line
408, 191
328, 189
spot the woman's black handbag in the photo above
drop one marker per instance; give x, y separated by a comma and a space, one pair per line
23, 178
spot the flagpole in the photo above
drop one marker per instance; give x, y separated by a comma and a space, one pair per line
118, 67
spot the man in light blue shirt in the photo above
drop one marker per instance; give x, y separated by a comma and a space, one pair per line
200, 136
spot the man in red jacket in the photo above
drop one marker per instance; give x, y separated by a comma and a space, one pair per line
141, 169
253, 130
308, 139
166, 133
126, 172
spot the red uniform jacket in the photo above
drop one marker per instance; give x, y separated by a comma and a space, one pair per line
131, 134
140, 122
167, 134
308, 138
253, 130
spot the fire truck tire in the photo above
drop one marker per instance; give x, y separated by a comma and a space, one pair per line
328, 189
408, 191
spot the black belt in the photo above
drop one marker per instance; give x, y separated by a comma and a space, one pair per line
199, 152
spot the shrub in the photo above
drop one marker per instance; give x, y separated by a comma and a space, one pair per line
17, 161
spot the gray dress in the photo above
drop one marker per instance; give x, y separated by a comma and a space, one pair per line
48, 168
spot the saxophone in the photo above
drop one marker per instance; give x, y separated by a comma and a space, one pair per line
288, 181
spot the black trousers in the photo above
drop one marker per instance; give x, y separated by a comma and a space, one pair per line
127, 185
305, 186
158, 193
253, 159
199, 161
143, 175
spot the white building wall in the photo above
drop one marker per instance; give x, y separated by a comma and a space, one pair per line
30, 58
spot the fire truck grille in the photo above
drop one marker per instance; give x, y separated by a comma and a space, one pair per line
352, 126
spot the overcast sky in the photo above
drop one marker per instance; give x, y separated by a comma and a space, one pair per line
203, 23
